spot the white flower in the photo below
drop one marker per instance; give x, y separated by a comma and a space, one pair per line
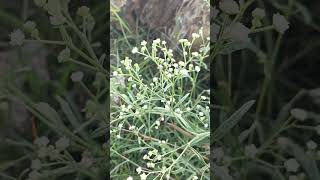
17, 38
197, 68
201, 114
115, 73
150, 165
280, 23
143, 176
64, 55
299, 114
250, 150
195, 178
163, 43
196, 54
195, 35
258, 13
139, 170
155, 79
77, 76
135, 50
229, 6
237, 32
156, 41
311, 145
291, 165
129, 178
42, 141
143, 43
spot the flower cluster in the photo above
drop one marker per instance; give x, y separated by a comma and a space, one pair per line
154, 104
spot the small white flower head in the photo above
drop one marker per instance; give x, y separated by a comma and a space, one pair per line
129, 178
62, 143
258, 13
238, 32
135, 50
118, 136
139, 170
299, 114
143, 176
181, 63
163, 42
115, 73
159, 157
229, 6
35, 164
197, 68
201, 114
150, 165
250, 150
206, 125
291, 165
17, 37
195, 35
311, 145
42, 141
178, 111
77, 76
83, 11
195, 54
195, 178
156, 42
158, 122
280, 23
64, 55
155, 79
145, 157
143, 43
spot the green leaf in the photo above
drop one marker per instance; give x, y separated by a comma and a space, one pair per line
234, 119
47, 111
199, 138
